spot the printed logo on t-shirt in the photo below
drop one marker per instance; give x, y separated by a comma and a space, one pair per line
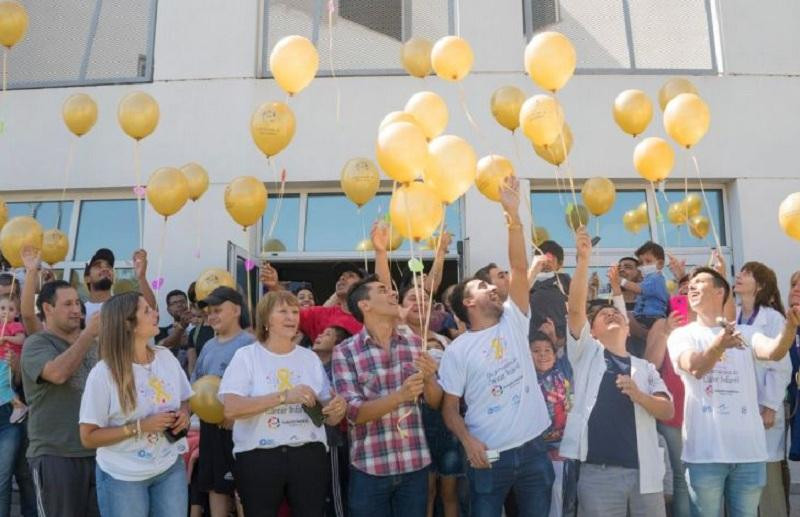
160, 395
497, 347
273, 422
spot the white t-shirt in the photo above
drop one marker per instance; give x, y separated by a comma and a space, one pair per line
160, 386
91, 308
721, 420
255, 371
493, 370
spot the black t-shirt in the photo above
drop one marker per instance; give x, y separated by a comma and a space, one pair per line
198, 337
547, 301
612, 425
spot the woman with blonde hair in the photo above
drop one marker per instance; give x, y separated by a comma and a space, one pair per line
134, 411
279, 397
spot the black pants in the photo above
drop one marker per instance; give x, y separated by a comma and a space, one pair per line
265, 476
65, 487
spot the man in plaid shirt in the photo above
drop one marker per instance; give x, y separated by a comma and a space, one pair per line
381, 371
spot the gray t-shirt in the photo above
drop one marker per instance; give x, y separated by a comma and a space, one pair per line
53, 408
216, 355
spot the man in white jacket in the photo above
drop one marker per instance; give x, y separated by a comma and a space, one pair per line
612, 427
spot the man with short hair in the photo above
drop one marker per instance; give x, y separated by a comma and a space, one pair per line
380, 372
724, 444
174, 336
628, 270
492, 274
55, 364
490, 366
98, 275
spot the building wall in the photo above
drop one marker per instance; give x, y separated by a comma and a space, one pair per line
207, 59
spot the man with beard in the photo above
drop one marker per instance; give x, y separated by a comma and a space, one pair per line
99, 279
314, 320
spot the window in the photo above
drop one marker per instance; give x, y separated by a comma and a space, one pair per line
679, 235
108, 224
328, 223
367, 35
50, 214
75, 43
647, 36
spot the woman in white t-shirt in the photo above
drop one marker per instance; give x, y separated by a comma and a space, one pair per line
134, 411
760, 306
272, 389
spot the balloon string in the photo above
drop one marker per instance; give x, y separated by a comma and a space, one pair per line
67, 167
249, 259
161, 248
331, 13
659, 214
462, 97
138, 191
281, 188
433, 282
364, 238
705, 200
196, 230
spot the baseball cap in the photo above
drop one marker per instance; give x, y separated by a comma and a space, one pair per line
101, 254
221, 295
343, 267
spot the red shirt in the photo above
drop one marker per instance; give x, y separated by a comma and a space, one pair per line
12, 328
675, 386
314, 320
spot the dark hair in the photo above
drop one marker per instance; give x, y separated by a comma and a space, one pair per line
541, 336
49, 292
341, 333
457, 300
553, 248
650, 247
718, 279
767, 293
595, 307
6, 279
483, 273
684, 278
175, 292
357, 292
191, 293
632, 259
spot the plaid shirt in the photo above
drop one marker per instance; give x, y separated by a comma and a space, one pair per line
363, 371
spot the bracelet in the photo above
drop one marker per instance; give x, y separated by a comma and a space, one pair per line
514, 226
138, 428
128, 431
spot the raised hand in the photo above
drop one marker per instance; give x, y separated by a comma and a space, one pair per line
268, 276
583, 244
31, 258
509, 195
140, 264
380, 236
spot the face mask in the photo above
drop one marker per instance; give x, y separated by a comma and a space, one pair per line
648, 269
545, 276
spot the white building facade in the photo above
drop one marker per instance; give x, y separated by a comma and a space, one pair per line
205, 62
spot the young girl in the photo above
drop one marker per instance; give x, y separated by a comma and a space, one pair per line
12, 335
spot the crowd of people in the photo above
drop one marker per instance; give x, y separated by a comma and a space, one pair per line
522, 392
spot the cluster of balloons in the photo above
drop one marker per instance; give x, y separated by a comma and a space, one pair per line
24, 231
168, 188
688, 211
634, 220
450, 57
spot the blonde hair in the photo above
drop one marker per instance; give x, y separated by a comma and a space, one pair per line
117, 322
265, 307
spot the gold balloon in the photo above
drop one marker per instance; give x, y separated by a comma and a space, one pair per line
402, 151
273, 245
451, 168
550, 60
492, 172
416, 56
542, 119
18, 233
430, 112
246, 200
539, 234
633, 111
13, 23
686, 119
694, 204
138, 115
506, 103
416, 211
630, 220
397, 116
554, 153
293, 62
204, 402
576, 216
3, 213
55, 246
672, 286
653, 158
642, 214
167, 191
451, 58
197, 177
672, 88
677, 213
698, 226
598, 195
80, 113
210, 279
360, 180
789, 215
364, 245
272, 127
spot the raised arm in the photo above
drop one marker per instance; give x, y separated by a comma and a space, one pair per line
517, 254
140, 269
773, 349
380, 243
579, 287
434, 277
32, 259
699, 363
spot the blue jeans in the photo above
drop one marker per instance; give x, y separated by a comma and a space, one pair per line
402, 495
739, 483
527, 470
680, 492
10, 441
164, 495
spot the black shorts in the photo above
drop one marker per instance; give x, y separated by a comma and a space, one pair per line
215, 465
64, 486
